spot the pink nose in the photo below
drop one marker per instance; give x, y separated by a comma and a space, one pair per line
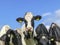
29, 29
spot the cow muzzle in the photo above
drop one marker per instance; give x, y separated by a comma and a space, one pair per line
29, 29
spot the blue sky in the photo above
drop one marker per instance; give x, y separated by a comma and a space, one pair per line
12, 9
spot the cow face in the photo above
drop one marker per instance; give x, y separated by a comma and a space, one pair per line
29, 20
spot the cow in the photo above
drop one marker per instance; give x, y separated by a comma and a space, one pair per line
54, 34
42, 35
9, 36
3, 31
28, 28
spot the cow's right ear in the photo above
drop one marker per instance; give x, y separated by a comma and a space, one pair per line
20, 20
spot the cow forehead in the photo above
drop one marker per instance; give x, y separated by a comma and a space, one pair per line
28, 16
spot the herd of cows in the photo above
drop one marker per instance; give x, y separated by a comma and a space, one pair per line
27, 35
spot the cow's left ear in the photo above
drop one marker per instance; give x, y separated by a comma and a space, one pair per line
20, 20
38, 17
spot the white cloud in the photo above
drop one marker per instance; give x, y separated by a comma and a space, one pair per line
57, 22
47, 26
52, 17
46, 14
57, 13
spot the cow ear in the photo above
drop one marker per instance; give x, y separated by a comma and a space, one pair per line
20, 20
37, 17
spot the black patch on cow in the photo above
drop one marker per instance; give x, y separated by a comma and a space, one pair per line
3, 37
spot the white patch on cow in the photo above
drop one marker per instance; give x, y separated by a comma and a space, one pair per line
57, 43
28, 18
53, 25
11, 40
35, 34
8, 35
4, 29
43, 37
52, 39
23, 41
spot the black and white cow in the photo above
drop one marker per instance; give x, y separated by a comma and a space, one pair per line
54, 33
42, 35
10, 37
28, 28
3, 31
29, 21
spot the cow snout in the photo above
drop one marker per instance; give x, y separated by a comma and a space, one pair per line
29, 29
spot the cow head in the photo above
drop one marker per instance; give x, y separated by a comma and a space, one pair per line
42, 35
29, 20
54, 33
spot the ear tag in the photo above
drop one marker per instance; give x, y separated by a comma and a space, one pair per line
20, 21
43, 37
8, 35
52, 39
37, 19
